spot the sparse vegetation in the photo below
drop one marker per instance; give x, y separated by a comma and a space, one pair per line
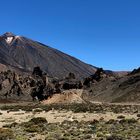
75, 107
69, 130
129, 121
6, 134
35, 125
119, 128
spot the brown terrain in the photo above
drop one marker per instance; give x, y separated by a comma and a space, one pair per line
48, 95
116, 89
33, 71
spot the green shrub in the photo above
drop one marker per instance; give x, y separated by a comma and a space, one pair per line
33, 128
129, 121
114, 137
10, 125
21, 138
34, 125
38, 120
121, 117
6, 134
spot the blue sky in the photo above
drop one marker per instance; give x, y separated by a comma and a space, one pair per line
104, 33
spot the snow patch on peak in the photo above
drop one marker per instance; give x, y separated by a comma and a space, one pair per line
9, 39
17, 36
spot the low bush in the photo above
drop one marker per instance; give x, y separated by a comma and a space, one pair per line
35, 125
6, 134
38, 120
121, 117
129, 121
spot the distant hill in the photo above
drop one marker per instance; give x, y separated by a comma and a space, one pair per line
22, 54
125, 89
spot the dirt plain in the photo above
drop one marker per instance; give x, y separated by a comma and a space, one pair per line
91, 121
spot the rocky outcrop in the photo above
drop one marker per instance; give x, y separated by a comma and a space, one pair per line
99, 75
135, 71
100, 87
36, 86
115, 89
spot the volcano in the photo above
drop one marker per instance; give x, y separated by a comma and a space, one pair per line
22, 54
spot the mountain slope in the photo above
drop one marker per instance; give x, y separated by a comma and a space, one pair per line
17, 52
116, 89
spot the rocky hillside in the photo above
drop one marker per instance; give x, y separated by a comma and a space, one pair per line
52, 76
99, 87
108, 88
22, 54
35, 86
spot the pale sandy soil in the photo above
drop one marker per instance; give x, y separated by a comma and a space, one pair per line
67, 96
56, 116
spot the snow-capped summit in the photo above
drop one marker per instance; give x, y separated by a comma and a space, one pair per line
9, 37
